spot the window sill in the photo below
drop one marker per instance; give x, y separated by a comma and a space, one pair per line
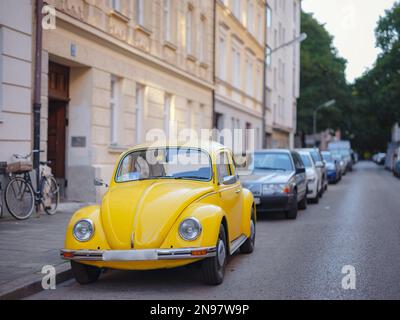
191, 57
143, 29
119, 15
170, 45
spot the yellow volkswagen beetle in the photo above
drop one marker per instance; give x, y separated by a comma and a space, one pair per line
166, 206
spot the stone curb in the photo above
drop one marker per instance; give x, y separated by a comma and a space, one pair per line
32, 284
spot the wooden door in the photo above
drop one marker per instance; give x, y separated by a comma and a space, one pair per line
56, 137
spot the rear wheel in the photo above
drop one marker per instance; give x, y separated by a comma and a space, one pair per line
214, 268
303, 202
248, 245
19, 198
84, 274
51, 195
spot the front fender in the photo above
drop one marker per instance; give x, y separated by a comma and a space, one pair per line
248, 205
210, 217
98, 241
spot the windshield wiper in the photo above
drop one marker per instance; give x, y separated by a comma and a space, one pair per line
270, 169
190, 177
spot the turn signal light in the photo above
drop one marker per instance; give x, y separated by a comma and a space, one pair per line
286, 190
68, 255
199, 253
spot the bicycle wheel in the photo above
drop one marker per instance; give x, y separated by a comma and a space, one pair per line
50, 195
19, 198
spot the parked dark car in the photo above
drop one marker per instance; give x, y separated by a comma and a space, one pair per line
278, 181
333, 169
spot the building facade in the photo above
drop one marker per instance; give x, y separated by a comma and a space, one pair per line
16, 33
283, 72
112, 71
239, 56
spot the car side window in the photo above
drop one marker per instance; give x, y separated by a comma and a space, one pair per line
223, 166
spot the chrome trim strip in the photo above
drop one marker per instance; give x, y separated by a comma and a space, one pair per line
137, 255
235, 244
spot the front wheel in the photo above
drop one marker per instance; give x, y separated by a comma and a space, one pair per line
51, 195
292, 213
214, 268
248, 245
19, 198
85, 274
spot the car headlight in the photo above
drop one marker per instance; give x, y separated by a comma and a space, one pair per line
275, 188
83, 230
190, 229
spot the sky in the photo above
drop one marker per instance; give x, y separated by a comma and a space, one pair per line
352, 23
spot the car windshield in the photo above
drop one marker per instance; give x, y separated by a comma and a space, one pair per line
306, 160
315, 155
327, 157
165, 163
337, 156
271, 161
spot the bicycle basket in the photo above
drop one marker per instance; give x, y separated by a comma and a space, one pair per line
19, 167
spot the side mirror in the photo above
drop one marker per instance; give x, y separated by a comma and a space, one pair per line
100, 183
229, 180
320, 164
300, 170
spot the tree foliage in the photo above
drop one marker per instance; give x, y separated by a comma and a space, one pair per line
377, 92
366, 110
322, 79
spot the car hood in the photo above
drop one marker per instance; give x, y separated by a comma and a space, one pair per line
145, 211
267, 177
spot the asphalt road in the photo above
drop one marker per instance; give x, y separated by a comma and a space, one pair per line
357, 223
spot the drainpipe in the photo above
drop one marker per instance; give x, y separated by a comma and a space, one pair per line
37, 90
214, 64
264, 103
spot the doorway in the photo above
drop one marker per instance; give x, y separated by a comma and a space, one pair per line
57, 121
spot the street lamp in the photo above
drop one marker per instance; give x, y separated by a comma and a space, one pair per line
322, 106
268, 54
299, 39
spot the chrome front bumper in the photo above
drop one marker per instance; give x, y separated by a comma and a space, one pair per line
138, 255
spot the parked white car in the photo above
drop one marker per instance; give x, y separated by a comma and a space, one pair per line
319, 166
314, 177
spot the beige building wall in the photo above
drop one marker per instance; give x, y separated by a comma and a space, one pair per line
240, 30
161, 80
283, 72
15, 78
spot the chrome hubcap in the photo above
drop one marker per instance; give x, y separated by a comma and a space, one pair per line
221, 253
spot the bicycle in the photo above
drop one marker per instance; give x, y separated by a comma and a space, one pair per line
3, 166
20, 195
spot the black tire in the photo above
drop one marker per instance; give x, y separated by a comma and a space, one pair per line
292, 213
248, 246
19, 198
303, 202
85, 274
213, 268
51, 195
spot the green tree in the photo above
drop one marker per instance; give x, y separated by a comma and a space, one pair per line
322, 79
377, 93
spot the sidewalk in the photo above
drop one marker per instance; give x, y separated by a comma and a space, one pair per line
27, 246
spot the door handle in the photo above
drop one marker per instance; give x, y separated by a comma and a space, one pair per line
238, 190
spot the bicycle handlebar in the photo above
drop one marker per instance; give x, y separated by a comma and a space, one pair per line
19, 156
